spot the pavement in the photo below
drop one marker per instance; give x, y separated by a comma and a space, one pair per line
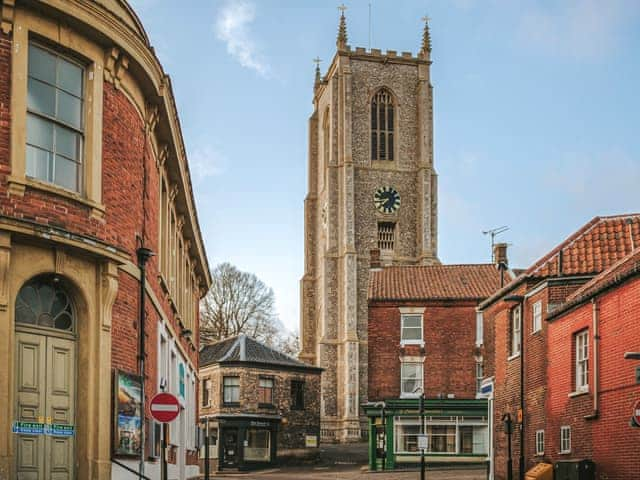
349, 462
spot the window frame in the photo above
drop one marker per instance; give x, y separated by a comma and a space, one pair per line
565, 429
225, 387
29, 27
479, 329
539, 442
295, 405
581, 366
516, 333
403, 317
479, 374
261, 389
386, 237
374, 127
536, 317
420, 379
206, 392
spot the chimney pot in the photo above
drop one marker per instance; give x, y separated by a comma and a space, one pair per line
500, 255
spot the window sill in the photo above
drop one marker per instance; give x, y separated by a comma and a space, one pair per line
513, 357
407, 343
231, 404
410, 395
269, 406
537, 332
578, 393
567, 452
17, 186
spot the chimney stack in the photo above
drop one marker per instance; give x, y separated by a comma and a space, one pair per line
500, 255
374, 256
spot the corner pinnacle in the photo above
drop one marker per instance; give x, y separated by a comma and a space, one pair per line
341, 42
426, 38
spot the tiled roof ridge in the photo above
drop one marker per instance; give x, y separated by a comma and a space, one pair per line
440, 265
599, 282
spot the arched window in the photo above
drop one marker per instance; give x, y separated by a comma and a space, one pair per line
42, 302
382, 126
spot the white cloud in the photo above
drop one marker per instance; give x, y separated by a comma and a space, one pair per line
581, 28
206, 161
232, 27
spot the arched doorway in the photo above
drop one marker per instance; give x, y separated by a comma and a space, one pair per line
45, 363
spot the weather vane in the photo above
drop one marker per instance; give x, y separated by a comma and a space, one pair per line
426, 19
317, 61
342, 8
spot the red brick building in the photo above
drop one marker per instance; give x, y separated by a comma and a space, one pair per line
515, 318
423, 339
92, 175
591, 387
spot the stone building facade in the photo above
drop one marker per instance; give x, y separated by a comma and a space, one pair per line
259, 405
371, 184
93, 175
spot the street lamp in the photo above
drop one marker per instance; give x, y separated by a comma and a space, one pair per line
421, 429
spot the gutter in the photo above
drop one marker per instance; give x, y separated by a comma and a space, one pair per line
596, 348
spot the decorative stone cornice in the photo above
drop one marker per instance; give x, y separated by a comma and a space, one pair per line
115, 64
163, 153
7, 16
108, 292
152, 117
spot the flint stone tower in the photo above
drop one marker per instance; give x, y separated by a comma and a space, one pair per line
372, 192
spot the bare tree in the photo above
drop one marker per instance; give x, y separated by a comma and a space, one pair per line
238, 302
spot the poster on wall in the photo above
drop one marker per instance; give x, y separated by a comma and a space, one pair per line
128, 414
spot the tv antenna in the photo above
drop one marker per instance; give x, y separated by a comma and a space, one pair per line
494, 232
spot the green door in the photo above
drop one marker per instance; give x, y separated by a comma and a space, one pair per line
45, 393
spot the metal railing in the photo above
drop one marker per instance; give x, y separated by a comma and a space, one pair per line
129, 469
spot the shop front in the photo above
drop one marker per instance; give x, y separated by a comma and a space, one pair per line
240, 442
454, 431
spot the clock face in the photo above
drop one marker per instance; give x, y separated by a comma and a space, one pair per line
387, 199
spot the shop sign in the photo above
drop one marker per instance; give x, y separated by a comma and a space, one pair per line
311, 441
254, 423
423, 442
35, 428
127, 414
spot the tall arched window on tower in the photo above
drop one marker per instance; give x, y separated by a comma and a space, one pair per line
326, 145
382, 125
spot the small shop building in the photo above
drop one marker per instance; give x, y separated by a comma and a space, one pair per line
258, 405
425, 366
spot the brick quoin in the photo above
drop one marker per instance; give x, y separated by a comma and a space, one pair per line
449, 351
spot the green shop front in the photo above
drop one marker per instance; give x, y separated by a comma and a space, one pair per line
450, 431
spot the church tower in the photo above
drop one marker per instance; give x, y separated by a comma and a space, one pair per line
372, 190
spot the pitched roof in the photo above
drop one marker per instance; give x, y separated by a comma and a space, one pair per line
617, 273
592, 249
242, 348
438, 282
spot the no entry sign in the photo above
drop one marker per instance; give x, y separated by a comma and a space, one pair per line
164, 407
636, 412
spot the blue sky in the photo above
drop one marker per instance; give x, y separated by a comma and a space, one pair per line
536, 117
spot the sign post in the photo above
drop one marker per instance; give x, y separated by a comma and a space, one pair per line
164, 408
636, 413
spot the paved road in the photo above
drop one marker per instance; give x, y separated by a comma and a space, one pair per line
354, 473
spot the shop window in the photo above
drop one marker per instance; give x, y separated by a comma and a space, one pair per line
231, 390
258, 445
297, 395
265, 391
441, 438
406, 433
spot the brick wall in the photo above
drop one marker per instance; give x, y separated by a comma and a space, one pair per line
607, 439
449, 351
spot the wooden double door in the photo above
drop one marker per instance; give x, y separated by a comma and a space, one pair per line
45, 372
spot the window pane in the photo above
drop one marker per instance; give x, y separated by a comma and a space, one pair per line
374, 115
42, 64
390, 118
413, 321
41, 97
40, 132
409, 370
383, 147
38, 162
266, 382
390, 146
232, 381
65, 173
409, 386
412, 333
70, 77
258, 447
67, 142
69, 109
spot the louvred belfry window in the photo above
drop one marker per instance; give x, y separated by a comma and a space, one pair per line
382, 111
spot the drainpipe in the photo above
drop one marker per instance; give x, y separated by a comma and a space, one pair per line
143, 256
596, 349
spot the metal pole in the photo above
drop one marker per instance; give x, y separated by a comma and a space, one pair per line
143, 255
163, 454
384, 439
206, 450
422, 430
